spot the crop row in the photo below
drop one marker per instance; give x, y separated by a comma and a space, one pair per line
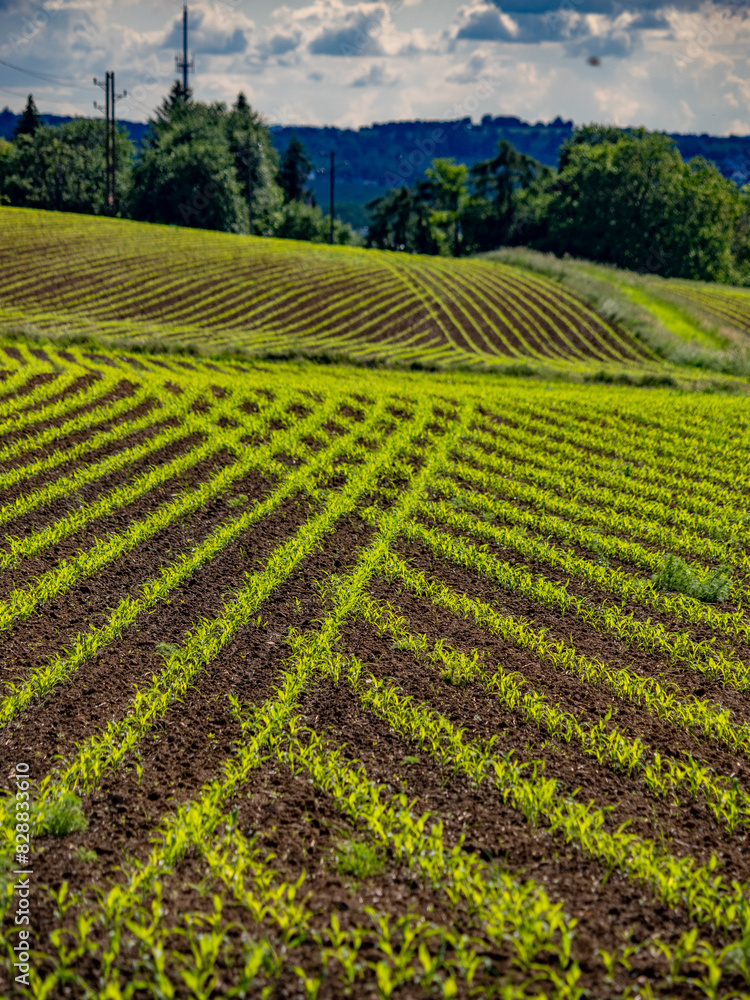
536, 545
694, 472
477, 309
687, 712
413, 459
661, 774
641, 486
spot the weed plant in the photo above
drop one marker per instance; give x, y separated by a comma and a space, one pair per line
675, 575
359, 860
63, 816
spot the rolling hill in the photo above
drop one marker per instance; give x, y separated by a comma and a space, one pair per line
322, 681
211, 292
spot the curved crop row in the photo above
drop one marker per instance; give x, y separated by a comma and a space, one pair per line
277, 295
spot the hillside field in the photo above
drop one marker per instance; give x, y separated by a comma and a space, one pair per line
161, 286
322, 681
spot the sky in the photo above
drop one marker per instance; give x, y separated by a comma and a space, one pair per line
679, 67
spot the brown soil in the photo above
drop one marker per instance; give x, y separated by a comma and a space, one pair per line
587, 702
282, 812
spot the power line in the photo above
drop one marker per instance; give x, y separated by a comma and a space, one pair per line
332, 191
41, 76
20, 93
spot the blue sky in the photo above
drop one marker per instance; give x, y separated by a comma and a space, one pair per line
679, 67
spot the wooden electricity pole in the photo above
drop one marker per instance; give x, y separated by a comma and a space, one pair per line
110, 139
333, 192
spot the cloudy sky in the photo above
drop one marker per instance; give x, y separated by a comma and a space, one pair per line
675, 66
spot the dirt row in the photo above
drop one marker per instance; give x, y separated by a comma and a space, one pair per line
304, 829
589, 642
686, 675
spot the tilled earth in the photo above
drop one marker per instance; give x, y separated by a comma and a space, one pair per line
298, 832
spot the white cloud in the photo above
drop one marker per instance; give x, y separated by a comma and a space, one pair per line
377, 76
337, 28
213, 31
672, 68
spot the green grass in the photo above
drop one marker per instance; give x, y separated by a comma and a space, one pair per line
358, 860
63, 817
675, 575
674, 328
676, 320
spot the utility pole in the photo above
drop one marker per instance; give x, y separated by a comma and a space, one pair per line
333, 191
183, 64
251, 164
110, 139
105, 109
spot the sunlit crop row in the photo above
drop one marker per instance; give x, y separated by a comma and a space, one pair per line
661, 774
439, 496
281, 294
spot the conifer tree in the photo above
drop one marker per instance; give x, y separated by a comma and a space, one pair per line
294, 170
29, 121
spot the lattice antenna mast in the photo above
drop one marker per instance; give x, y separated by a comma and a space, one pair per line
185, 65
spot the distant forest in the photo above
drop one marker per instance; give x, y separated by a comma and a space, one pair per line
372, 159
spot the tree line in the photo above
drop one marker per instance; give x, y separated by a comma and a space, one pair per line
622, 197
203, 165
619, 196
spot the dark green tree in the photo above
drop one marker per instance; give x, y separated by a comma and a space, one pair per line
592, 135
402, 220
29, 121
187, 178
740, 237
176, 104
633, 202
447, 194
298, 221
6, 152
255, 164
62, 168
186, 175
294, 170
390, 218
441, 215
490, 217
207, 166
424, 218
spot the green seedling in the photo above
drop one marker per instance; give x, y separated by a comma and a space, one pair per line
85, 856
62, 816
359, 860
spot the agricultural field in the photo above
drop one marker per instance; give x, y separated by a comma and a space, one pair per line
128, 283
324, 682
727, 306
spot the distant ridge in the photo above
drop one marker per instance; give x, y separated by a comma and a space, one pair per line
8, 120
375, 157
